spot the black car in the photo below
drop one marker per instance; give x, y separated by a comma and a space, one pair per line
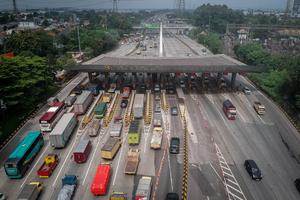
172, 196
174, 145
297, 184
253, 169
124, 103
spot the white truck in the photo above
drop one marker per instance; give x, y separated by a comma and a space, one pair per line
60, 135
116, 129
138, 106
156, 139
143, 191
93, 128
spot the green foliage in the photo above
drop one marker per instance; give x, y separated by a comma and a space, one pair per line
212, 41
217, 16
273, 82
23, 80
283, 72
38, 42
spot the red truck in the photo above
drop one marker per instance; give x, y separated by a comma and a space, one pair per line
229, 109
100, 183
49, 165
126, 92
82, 151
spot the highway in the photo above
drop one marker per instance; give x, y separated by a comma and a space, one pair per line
270, 140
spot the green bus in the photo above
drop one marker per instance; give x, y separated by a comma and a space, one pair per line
100, 110
134, 133
20, 159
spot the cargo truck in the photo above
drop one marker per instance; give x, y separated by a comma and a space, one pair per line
31, 191
116, 129
110, 148
101, 180
63, 130
93, 128
134, 133
106, 98
48, 166
126, 92
82, 102
259, 108
118, 196
70, 100
100, 110
82, 151
156, 139
132, 161
143, 191
69, 184
138, 106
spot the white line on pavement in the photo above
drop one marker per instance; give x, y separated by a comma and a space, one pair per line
171, 179
120, 156
42, 155
54, 183
90, 163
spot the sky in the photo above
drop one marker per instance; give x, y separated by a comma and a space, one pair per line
142, 4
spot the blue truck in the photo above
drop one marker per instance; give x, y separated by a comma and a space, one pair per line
69, 184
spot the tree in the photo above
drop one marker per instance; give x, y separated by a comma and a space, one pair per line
38, 42
23, 80
212, 41
216, 16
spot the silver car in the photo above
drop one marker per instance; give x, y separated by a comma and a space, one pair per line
174, 111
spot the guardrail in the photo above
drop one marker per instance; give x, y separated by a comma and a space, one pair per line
128, 112
149, 108
164, 102
184, 188
110, 111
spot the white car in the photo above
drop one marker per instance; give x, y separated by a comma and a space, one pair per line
247, 90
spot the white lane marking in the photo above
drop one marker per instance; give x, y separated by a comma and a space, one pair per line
120, 155
54, 183
216, 172
146, 132
42, 155
90, 163
170, 170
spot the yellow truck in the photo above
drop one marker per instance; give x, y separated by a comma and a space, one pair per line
110, 148
118, 196
106, 98
259, 108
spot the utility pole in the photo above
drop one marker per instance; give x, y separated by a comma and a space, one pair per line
115, 6
181, 5
15, 7
79, 47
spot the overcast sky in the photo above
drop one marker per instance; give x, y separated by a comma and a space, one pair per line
139, 4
